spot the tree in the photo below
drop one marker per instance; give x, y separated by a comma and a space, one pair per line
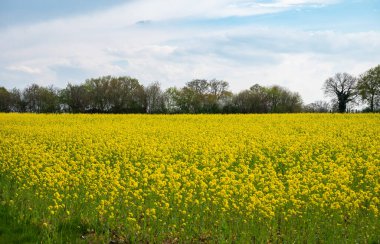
191, 98
259, 99
202, 96
171, 98
369, 88
5, 98
342, 87
16, 103
253, 100
194, 96
218, 95
274, 99
125, 95
116, 95
40, 99
97, 89
76, 97
154, 99
281, 100
241, 102
134, 97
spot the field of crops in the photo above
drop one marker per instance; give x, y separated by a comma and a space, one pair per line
192, 178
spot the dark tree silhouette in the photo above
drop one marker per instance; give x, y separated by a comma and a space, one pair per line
342, 87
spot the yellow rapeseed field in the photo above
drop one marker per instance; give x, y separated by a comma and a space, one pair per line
194, 178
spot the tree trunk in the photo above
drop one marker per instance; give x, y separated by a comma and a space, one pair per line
342, 106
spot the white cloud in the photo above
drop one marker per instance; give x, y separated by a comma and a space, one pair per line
24, 69
111, 43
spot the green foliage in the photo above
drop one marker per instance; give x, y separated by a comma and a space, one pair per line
272, 99
109, 94
40, 99
4, 100
202, 96
369, 88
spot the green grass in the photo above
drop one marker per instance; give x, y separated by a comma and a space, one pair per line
13, 232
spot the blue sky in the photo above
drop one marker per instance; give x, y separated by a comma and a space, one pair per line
293, 43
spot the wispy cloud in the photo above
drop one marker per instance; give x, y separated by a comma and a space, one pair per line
24, 69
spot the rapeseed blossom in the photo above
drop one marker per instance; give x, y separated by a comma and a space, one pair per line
219, 177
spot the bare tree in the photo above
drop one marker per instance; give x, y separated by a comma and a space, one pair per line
342, 87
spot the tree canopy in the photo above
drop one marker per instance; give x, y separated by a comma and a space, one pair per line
342, 87
369, 88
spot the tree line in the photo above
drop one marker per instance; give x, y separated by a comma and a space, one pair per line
125, 94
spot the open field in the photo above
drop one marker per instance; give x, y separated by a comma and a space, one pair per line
191, 178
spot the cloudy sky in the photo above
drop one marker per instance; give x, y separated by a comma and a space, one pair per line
292, 43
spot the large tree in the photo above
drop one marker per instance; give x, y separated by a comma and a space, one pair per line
76, 98
281, 100
194, 96
369, 88
342, 87
252, 100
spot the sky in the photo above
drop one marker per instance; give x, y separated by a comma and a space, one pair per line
296, 44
